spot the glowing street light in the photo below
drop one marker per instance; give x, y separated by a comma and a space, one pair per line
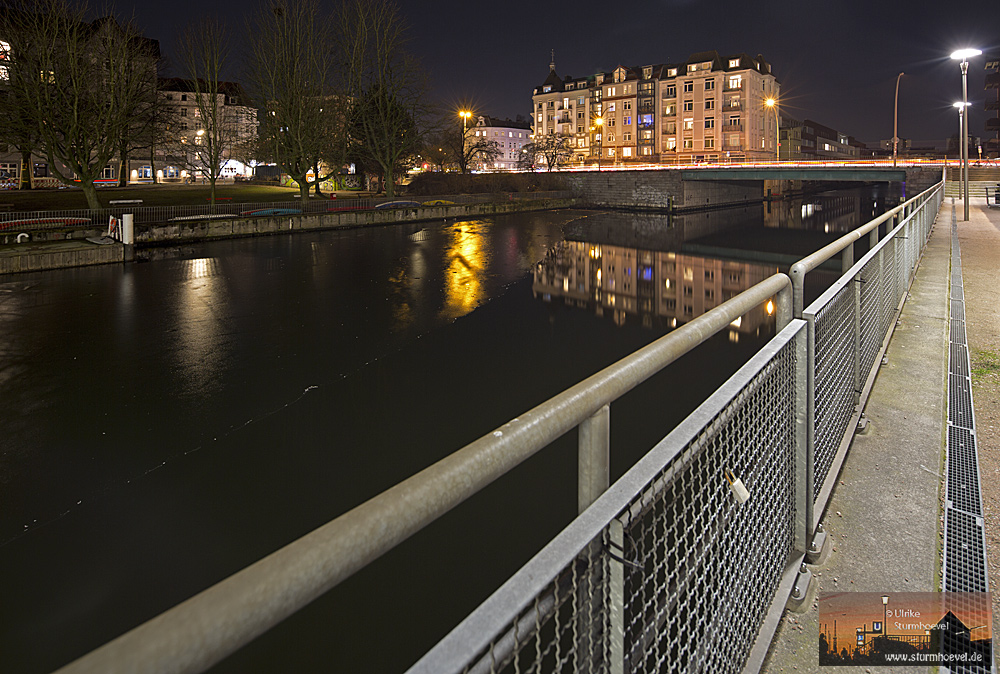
773, 104
964, 55
465, 115
598, 123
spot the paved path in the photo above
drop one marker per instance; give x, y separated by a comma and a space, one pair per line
884, 517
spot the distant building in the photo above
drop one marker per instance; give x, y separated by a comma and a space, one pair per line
185, 127
807, 140
707, 108
992, 146
509, 136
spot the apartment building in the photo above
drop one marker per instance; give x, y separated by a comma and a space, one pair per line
708, 108
811, 140
510, 137
992, 105
185, 128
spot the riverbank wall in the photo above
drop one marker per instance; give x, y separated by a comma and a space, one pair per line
62, 248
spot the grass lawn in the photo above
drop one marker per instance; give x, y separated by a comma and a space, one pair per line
151, 195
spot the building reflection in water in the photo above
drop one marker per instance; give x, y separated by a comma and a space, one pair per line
651, 285
833, 212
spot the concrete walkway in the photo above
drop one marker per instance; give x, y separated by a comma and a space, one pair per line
884, 517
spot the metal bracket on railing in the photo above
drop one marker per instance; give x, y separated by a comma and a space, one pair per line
800, 591
819, 548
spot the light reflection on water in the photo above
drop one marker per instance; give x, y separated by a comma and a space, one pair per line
359, 358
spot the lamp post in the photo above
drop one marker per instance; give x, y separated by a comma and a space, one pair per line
963, 188
773, 104
885, 612
964, 55
895, 119
598, 124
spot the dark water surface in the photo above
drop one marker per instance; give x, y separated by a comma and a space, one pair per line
167, 423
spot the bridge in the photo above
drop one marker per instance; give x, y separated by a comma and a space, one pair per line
689, 559
846, 172
696, 188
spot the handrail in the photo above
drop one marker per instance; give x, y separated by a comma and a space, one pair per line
798, 271
201, 631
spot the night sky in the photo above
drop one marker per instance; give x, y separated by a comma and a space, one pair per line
837, 60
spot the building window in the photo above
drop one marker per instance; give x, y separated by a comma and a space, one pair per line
647, 72
710, 104
688, 106
547, 88
735, 81
626, 105
670, 127
611, 107
670, 91
709, 143
710, 123
671, 144
184, 112
668, 110
709, 85
688, 124
626, 152
671, 72
646, 134
688, 87
627, 120
734, 63
647, 150
688, 144
626, 137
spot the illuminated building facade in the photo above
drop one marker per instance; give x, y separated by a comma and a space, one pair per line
509, 136
708, 108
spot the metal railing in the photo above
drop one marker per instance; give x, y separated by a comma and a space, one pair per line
675, 567
34, 221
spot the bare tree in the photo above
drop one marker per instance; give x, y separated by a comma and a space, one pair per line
384, 85
304, 129
79, 83
19, 129
204, 53
551, 149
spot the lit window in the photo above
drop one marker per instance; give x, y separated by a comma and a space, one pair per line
626, 152
671, 72
734, 63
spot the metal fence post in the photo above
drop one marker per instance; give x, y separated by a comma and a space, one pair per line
593, 457
803, 449
616, 600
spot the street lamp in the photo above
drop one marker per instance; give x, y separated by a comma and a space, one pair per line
962, 188
895, 119
599, 123
964, 55
773, 104
885, 612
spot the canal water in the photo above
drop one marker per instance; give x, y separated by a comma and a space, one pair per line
168, 422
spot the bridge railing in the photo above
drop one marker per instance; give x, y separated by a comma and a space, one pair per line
671, 570
676, 567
